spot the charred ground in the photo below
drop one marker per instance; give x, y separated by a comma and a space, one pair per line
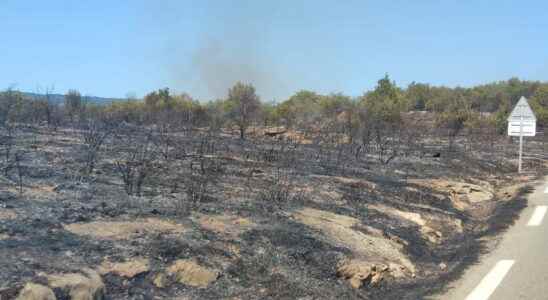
202, 214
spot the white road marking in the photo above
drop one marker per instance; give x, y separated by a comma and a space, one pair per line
538, 215
489, 283
546, 190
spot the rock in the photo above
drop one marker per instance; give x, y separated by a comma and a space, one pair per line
433, 236
127, 269
396, 270
356, 282
33, 291
160, 280
443, 266
272, 132
79, 286
376, 279
359, 272
191, 273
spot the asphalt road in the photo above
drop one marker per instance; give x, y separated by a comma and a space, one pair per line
518, 267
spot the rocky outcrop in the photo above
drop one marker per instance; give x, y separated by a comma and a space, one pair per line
359, 272
33, 291
86, 285
350, 233
422, 221
397, 271
463, 195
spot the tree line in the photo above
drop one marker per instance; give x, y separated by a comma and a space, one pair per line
455, 108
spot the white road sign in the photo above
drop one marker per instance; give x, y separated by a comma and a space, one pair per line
524, 128
522, 122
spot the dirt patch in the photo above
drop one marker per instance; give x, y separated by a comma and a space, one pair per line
128, 269
7, 214
353, 182
39, 193
340, 230
190, 273
43, 189
117, 230
228, 225
320, 194
333, 190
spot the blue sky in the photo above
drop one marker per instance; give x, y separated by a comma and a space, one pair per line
112, 48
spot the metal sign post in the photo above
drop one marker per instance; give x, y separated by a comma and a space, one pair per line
522, 122
520, 143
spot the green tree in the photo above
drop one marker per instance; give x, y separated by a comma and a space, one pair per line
12, 106
386, 102
159, 100
334, 104
130, 110
215, 112
380, 119
301, 108
417, 95
158, 106
539, 104
500, 117
270, 114
243, 105
455, 116
441, 97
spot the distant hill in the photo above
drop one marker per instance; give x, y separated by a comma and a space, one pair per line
58, 98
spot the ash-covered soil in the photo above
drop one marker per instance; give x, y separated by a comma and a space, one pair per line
265, 218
